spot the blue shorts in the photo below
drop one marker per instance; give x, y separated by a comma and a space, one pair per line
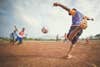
74, 33
19, 39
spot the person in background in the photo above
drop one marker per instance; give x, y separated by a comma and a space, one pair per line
20, 36
57, 37
87, 40
13, 36
65, 38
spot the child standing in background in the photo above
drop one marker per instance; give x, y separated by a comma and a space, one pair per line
13, 36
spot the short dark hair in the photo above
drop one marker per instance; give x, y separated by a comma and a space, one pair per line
73, 9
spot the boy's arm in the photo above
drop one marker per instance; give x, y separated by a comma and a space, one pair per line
62, 6
15, 28
85, 17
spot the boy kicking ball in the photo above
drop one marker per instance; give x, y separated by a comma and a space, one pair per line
79, 22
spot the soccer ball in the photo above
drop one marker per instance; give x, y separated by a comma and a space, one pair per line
44, 30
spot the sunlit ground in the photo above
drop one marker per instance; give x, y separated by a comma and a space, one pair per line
49, 54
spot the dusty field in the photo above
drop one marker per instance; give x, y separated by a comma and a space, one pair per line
49, 54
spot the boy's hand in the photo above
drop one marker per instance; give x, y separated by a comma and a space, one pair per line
56, 4
92, 19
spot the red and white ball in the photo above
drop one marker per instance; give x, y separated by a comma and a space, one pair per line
44, 30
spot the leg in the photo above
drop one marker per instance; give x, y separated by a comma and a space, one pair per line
71, 45
73, 41
70, 49
87, 41
12, 41
20, 40
65, 40
11, 38
16, 39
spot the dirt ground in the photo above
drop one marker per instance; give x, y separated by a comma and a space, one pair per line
49, 54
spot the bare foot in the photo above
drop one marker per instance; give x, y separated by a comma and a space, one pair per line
67, 57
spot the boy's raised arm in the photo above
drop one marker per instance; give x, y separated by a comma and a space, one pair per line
62, 6
15, 28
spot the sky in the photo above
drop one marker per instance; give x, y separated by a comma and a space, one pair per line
35, 14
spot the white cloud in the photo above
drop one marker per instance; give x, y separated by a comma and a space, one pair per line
37, 13
28, 19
